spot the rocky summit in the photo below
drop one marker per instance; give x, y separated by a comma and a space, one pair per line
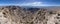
21, 15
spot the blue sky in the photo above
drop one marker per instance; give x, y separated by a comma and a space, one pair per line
30, 2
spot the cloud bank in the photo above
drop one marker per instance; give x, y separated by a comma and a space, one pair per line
25, 4
29, 4
32, 4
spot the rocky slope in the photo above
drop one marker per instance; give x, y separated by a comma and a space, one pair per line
19, 15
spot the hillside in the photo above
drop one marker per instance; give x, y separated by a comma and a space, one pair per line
21, 15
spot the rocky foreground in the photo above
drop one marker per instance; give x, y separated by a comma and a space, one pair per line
19, 15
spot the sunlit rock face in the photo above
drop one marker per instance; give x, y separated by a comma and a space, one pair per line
3, 19
17, 15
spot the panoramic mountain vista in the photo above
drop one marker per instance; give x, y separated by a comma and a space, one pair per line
29, 11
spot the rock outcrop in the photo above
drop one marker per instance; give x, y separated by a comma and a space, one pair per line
17, 15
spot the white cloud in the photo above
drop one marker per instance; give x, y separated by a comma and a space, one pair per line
32, 4
9, 4
27, 4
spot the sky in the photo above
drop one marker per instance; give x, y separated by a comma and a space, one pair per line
30, 2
